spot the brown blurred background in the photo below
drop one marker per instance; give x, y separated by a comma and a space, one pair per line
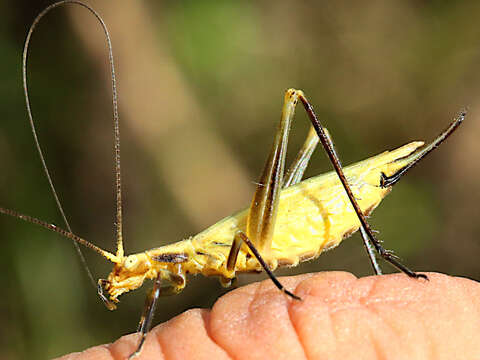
200, 91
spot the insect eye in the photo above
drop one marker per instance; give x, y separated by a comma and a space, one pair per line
131, 262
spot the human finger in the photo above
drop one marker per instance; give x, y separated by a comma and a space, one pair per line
339, 317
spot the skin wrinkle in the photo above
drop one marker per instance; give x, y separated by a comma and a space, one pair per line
112, 352
258, 299
107, 347
372, 309
158, 339
289, 308
289, 304
117, 349
376, 346
370, 303
206, 324
115, 353
155, 341
253, 299
380, 352
243, 319
169, 353
306, 296
370, 292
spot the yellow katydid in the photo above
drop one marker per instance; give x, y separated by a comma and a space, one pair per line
288, 221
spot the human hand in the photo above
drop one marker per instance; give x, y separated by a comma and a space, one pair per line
339, 317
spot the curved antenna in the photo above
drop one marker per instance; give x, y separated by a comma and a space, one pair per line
68, 234
118, 192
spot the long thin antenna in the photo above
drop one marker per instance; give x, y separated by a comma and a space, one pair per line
116, 134
68, 234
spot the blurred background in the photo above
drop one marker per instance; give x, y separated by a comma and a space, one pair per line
201, 86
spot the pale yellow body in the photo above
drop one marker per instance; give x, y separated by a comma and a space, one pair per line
313, 216
283, 226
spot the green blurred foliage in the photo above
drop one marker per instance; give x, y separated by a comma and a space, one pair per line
379, 73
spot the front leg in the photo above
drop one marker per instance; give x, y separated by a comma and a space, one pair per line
147, 314
173, 284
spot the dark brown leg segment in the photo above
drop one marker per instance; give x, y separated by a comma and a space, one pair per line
148, 313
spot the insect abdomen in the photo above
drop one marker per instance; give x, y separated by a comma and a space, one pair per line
313, 216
